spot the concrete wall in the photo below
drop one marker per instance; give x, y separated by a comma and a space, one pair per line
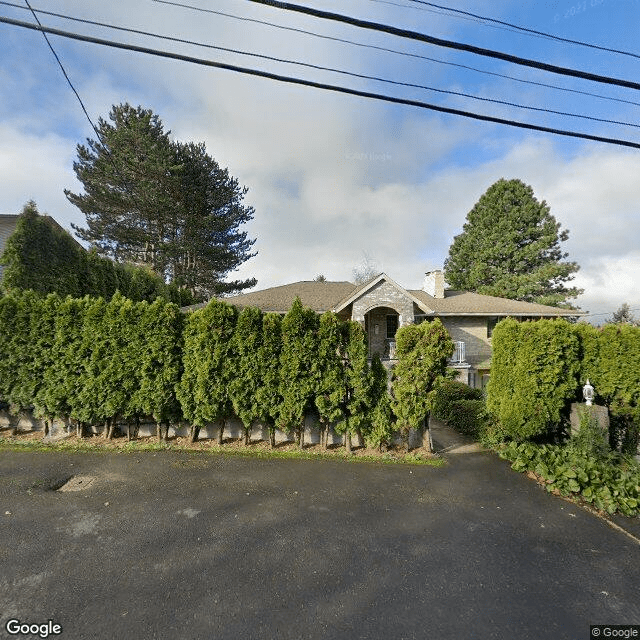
233, 430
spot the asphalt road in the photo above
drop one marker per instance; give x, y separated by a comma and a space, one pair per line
183, 546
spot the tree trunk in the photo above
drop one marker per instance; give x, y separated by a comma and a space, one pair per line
272, 438
221, 432
128, 431
405, 437
347, 441
301, 438
159, 431
105, 431
194, 432
247, 436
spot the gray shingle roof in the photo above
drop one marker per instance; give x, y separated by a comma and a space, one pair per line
325, 296
467, 303
319, 296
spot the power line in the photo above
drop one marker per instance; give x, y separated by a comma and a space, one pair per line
393, 51
55, 55
334, 70
527, 30
317, 85
450, 44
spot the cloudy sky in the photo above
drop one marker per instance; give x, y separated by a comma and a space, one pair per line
336, 178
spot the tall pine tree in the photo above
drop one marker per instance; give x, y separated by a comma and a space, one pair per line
160, 203
510, 248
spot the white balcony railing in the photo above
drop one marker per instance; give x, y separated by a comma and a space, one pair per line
458, 356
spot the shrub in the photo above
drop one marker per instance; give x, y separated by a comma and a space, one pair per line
449, 392
609, 485
469, 417
533, 380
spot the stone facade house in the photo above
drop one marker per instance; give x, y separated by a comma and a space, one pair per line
381, 305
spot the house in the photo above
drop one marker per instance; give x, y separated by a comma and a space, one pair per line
381, 305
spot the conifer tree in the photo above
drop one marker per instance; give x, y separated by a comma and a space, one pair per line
358, 381
159, 359
268, 395
298, 368
89, 402
245, 379
63, 379
332, 383
422, 351
42, 339
203, 391
9, 306
166, 204
510, 248
381, 428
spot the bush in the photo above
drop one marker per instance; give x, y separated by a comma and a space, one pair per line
534, 374
610, 485
469, 417
462, 407
450, 392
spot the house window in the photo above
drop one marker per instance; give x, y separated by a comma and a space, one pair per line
491, 325
392, 326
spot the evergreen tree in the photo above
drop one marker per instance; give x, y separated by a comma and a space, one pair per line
167, 205
41, 256
89, 403
158, 354
422, 351
62, 379
624, 316
245, 382
358, 381
381, 423
268, 394
298, 368
332, 383
510, 248
203, 391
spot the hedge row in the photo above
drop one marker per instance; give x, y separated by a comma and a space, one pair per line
41, 256
539, 368
461, 407
90, 361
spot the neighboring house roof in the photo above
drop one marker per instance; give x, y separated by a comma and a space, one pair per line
336, 296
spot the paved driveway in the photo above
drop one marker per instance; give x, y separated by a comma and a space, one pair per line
188, 546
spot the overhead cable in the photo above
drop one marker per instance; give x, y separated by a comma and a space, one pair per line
526, 30
389, 50
450, 44
55, 55
318, 85
339, 71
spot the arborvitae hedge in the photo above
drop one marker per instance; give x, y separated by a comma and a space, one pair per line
539, 368
42, 256
423, 351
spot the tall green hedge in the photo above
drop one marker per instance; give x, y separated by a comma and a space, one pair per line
423, 351
539, 368
42, 256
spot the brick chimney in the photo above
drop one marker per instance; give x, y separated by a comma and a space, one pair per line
434, 283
